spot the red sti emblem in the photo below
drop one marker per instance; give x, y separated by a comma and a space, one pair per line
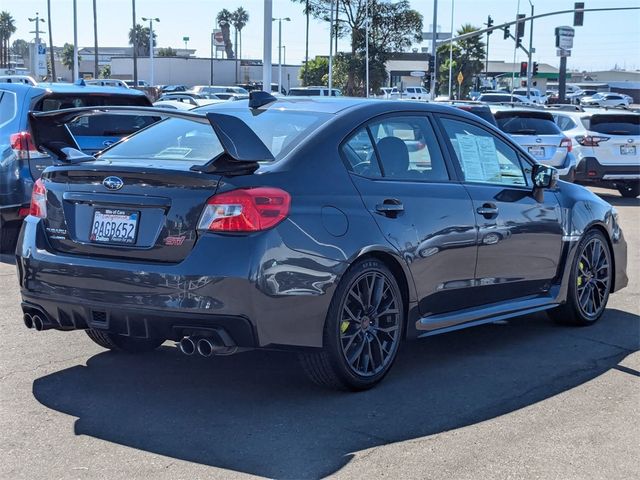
174, 241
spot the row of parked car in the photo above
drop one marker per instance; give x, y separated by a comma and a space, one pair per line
587, 145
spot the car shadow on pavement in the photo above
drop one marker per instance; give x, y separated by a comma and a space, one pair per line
617, 201
256, 412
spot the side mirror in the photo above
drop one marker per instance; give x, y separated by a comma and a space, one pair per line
544, 176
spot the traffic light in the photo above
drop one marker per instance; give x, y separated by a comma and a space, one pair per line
506, 33
523, 69
534, 69
431, 64
520, 26
518, 42
489, 24
578, 15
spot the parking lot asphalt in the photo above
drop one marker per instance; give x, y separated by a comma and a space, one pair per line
520, 399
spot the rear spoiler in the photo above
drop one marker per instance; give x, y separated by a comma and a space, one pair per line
242, 148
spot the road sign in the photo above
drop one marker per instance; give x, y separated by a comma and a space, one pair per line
417, 73
564, 37
561, 52
218, 38
185, 39
460, 78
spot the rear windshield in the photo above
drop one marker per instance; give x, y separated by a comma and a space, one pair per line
482, 112
100, 125
614, 124
304, 92
194, 142
526, 124
496, 98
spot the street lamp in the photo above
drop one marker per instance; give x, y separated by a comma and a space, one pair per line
286, 19
151, 20
37, 19
529, 64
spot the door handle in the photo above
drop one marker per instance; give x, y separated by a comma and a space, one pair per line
390, 207
488, 210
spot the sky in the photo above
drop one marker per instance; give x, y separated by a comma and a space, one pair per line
607, 39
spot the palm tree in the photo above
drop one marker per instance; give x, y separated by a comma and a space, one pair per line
141, 38
224, 20
66, 57
240, 19
7, 28
53, 60
95, 41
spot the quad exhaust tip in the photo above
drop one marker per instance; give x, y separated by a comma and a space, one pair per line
187, 346
28, 320
206, 347
38, 324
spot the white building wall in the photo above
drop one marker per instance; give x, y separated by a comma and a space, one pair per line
197, 71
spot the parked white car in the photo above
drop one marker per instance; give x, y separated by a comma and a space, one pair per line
504, 98
416, 93
607, 148
534, 95
18, 79
107, 82
536, 131
605, 99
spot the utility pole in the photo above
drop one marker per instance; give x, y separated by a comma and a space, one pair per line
144, 19
51, 55
95, 41
331, 48
451, 52
434, 37
76, 69
34, 62
135, 45
366, 42
266, 46
562, 79
529, 63
211, 64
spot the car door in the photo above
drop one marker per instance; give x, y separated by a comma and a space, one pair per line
519, 238
398, 167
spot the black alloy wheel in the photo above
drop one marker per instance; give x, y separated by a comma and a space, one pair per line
363, 330
590, 282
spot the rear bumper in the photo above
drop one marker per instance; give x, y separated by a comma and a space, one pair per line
590, 171
252, 286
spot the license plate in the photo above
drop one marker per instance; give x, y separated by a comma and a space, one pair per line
627, 149
537, 152
114, 226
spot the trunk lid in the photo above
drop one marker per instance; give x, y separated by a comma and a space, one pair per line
622, 131
165, 204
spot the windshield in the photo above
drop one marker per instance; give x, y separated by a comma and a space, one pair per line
614, 124
180, 139
526, 124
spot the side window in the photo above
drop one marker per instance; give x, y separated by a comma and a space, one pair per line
8, 107
408, 149
483, 157
564, 123
360, 156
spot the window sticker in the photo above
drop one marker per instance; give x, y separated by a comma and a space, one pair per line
479, 158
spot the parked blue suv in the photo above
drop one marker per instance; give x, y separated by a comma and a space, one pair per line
21, 163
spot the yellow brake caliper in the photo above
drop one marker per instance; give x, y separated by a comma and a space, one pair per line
579, 281
343, 326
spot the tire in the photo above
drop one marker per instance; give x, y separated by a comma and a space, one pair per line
629, 190
369, 334
118, 343
589, 282
9, 233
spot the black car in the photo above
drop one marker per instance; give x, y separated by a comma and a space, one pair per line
479, 109
20, 162
337, 226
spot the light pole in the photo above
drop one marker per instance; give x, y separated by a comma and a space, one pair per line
529, 65
366, 47
76, 69
286, 19
151, 20
331, 47
211, 73
434, 75
37, 19
451, 52
267, 45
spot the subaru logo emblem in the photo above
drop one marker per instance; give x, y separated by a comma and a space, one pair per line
538, 140
630, 140
108, 143
113, 183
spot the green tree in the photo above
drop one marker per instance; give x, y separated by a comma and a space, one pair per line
66, 57
224, 19
394, 26
239, 18
7, 28
141, 35
167, 52
20, 48
315, 72
468, 58
105, 71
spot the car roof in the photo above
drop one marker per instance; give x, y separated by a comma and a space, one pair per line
73, 89
337, 105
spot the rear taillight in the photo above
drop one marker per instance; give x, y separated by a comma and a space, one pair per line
590, 140
38, 206
566, 142
23, 146
245, 210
